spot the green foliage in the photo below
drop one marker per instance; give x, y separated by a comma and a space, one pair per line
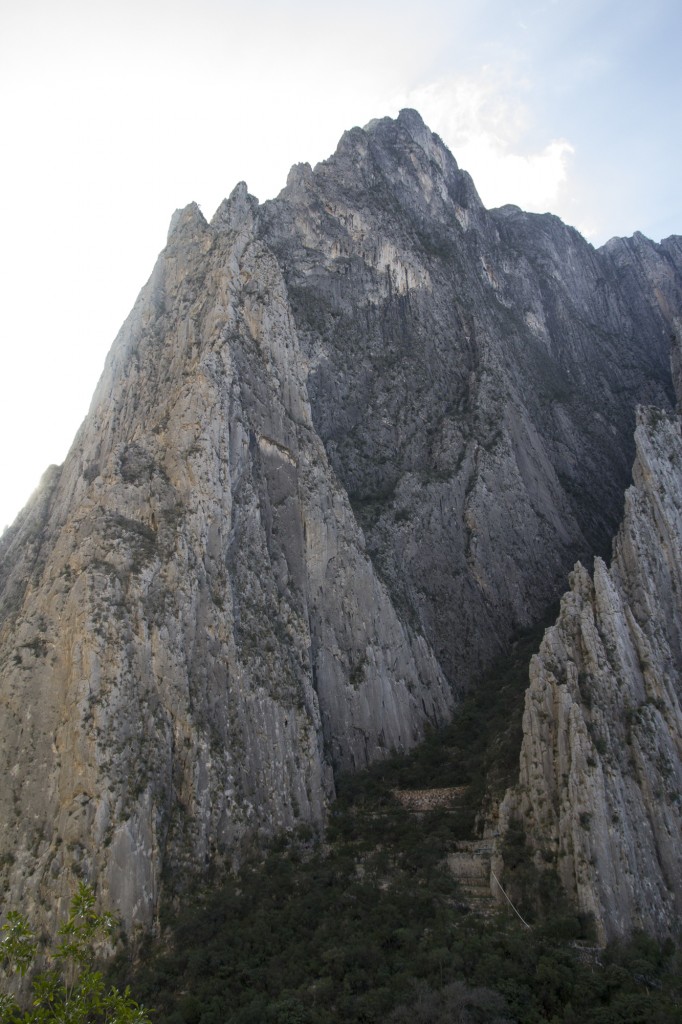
314, 940
454, 1002
19, 944
479, 750
537, 891
69, 990
369, 926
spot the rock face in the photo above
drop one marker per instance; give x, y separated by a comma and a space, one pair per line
346, 443
473, 376
193, 636
600, 785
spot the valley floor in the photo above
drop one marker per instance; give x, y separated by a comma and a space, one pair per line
389, 916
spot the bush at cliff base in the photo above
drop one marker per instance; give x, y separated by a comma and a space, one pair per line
68, 988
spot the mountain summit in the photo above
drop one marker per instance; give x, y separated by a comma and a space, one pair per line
346, 445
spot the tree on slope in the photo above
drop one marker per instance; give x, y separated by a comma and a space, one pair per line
69, 989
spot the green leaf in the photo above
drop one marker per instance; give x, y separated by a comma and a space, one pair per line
18, 947
70, 991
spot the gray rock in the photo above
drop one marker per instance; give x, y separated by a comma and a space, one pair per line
473, 376
600, 786
346, 444
194, 637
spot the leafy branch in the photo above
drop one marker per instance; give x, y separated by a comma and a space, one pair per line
70, 990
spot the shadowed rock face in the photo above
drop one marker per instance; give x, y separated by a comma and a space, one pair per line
473, 376
601, 764
345, 444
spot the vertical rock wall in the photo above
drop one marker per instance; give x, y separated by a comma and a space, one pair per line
473, 375
193, 638
600, 785
345, 445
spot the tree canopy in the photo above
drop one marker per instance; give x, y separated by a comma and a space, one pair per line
68, 988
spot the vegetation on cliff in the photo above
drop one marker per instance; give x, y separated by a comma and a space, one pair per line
68, 988
368, 924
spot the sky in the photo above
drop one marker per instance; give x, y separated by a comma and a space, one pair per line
114, 114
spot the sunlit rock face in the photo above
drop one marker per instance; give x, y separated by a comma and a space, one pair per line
600, 787
346, 444
193, 637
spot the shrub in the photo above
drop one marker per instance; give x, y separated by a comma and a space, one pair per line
69, 990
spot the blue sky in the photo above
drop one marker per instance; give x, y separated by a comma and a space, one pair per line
113, 114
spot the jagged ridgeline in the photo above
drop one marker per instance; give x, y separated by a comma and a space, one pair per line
346, 446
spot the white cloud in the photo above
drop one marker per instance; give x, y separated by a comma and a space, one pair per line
112, 115
533, 181
484, 120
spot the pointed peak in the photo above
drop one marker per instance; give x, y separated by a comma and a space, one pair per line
299, 175
411, 119
235, 210
239, 193
508, 210
408, 118
411, 122
186, 220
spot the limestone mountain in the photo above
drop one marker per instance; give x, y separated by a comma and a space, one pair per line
600, 786
473, 375
345, 445
193, 635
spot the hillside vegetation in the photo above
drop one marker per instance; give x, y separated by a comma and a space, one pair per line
366, 923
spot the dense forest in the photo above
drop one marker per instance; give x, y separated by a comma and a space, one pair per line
366, 923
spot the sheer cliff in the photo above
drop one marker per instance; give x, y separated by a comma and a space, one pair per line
473, 375
347, 442
193, 637
600, 786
